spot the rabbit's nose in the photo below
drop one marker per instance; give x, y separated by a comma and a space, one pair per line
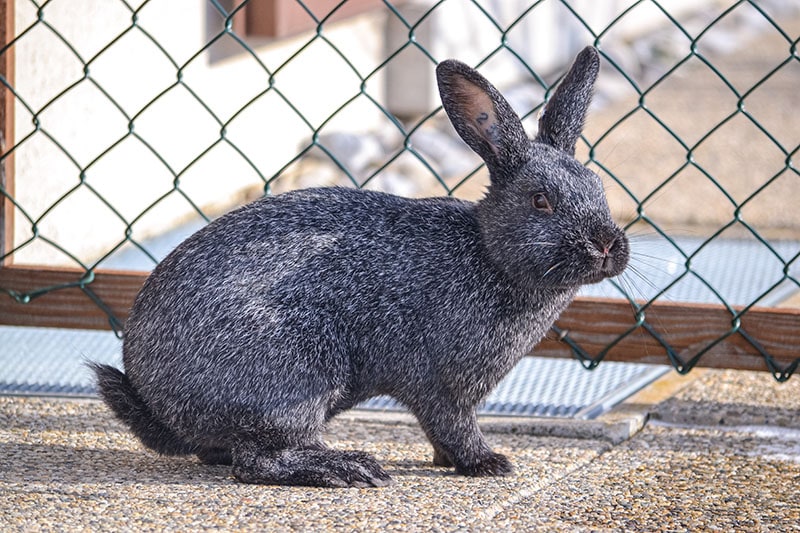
604, 247
611, 256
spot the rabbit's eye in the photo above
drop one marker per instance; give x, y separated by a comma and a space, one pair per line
540, 202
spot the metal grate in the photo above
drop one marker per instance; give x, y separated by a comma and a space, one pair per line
53, 360
49, 361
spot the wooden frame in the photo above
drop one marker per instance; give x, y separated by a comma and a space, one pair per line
275, 19
7, 64
591, 323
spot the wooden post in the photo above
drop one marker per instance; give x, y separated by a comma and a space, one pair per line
6, 131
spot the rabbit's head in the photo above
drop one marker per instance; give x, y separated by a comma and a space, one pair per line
544, 219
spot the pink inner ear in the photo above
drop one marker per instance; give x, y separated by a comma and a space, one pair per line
477, 110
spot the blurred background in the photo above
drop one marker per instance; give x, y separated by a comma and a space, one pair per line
135, 118
136, 122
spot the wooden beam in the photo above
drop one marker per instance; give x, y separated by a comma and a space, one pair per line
592, 323
70, 307
688, 328
6, 131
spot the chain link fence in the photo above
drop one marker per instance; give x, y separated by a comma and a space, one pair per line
127, 125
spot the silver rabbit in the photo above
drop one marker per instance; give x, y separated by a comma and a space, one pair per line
274, 318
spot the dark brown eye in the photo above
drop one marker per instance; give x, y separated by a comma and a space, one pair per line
540, 202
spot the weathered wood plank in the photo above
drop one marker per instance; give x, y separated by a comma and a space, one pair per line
69, 307
688, 328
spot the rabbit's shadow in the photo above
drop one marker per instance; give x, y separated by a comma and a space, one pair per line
416, 468
45, 463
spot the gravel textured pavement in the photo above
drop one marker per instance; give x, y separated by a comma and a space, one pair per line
67, 465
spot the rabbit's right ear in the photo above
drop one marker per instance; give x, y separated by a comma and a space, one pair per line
481, 116
563, 118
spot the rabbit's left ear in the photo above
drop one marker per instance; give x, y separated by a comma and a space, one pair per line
482, 117
564, 116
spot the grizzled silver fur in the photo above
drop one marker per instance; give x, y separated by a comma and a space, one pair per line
262, 326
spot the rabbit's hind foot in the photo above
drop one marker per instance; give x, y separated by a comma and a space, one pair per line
308, 467
441, 459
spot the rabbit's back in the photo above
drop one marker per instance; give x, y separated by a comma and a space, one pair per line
322, 248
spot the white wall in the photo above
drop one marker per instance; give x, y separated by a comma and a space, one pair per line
134, 71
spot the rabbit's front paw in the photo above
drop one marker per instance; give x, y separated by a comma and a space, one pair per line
494, 464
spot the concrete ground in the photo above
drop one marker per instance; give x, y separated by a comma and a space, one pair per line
720, 451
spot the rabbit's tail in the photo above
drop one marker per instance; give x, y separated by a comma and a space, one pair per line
121, 396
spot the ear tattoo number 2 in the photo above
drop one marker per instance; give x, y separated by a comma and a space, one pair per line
491, 130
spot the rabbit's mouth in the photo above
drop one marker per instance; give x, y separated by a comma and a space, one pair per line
597, 277
598, 260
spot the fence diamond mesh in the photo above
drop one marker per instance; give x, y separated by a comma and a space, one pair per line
136, 122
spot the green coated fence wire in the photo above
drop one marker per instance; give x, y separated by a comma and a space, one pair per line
578, 20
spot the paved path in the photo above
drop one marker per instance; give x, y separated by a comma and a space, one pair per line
721, 453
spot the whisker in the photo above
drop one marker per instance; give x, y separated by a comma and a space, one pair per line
640, 275
654, 264
549, 270
651, 256
670, 232
641, 233
631, 291
653, 319
526, 244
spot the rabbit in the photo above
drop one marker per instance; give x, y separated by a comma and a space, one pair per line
274, 318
